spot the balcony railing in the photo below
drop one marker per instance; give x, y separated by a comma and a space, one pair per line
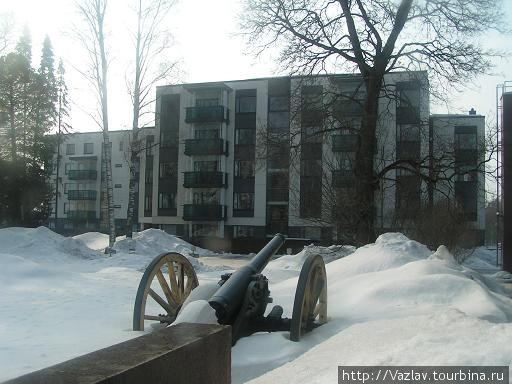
196, 147
204, 212
277, 194
81, 215
341, 143
82, 194
82, 174
342, 178
203, 179
206, 114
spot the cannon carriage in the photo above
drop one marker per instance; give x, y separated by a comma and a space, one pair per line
239, 299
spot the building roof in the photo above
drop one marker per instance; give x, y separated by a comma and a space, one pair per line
217, 84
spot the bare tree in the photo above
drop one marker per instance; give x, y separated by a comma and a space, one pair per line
373, 39
151, 42
92, 38
6, 28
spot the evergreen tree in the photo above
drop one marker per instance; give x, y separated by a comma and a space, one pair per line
29, 102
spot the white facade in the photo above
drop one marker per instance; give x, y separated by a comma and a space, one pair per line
79, 202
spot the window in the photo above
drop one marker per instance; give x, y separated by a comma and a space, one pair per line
67, 187
70, 149
118, 186
312, 168
167, 200
277, 180
210, 102
168, 170
313, 233
245, 104
245, 136
244, 201
278, 103
119, 165
148, 202
279, 120
210, 197
88, 148
150, 140
69, 167
465, 137
243, 231
346, 160
407, 132
168, 138
312, 98
244, 169
121, 145
204, 230
408, 195
117, 206
205, 166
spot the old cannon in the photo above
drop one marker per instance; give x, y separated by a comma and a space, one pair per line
239, 299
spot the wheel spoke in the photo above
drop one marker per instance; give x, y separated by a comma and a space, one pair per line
165, 287
173, 280
159, 300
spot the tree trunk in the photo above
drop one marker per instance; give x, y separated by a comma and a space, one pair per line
134, 147
364, 163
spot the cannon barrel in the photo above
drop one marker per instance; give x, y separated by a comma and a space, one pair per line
229, 297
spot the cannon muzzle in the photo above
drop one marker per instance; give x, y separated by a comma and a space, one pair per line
229, 297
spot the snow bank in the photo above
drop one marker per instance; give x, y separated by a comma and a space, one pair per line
387, 286
96, 240
295, 262
448, 337
43, 245
155, 241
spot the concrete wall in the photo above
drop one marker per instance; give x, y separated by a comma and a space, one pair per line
181, 354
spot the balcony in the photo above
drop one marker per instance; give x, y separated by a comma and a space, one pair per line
277, 194
212, 179
198, 147
82, 174
344, 143
206, 114
204, 212
342, 179
82, 194
81, 215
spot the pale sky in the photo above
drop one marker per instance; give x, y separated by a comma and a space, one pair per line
206, 43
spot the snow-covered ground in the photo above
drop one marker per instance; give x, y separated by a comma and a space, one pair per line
392, 303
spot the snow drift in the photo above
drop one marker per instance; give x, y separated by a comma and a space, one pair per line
42, 244
389, 303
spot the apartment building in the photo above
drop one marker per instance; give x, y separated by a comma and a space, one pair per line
241, 160
80, 188
463, 138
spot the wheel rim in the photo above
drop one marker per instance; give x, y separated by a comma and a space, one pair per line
310, 304
167, 281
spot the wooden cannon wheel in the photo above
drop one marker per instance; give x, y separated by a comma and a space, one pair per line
310, 304
175, 279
